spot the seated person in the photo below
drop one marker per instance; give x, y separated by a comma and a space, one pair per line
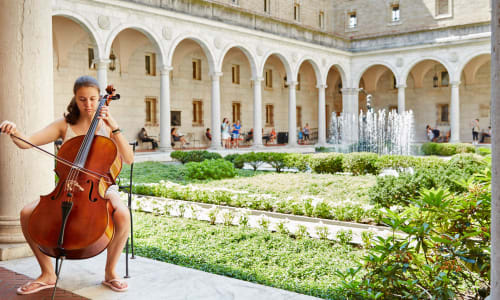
432, 133
249, 136
208, 134
272, 136
176, 137
486, 134
265, 137
143, 136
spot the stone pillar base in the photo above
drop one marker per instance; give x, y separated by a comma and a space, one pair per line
13, 251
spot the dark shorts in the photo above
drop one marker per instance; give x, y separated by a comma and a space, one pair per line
177, 138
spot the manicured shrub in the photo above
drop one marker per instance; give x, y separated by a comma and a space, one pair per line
276, 160
194, 156
359, 163
483, 151
326, 163
237, 160
254, 159
298, 161
447, 149
179, 155
210, 169
396, 162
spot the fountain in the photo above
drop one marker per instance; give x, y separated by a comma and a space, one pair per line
379, 132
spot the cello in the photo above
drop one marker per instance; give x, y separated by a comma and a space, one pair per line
74, 220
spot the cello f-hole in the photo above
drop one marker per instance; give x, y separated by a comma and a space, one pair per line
91, 189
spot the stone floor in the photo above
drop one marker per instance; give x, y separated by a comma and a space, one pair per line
149, 279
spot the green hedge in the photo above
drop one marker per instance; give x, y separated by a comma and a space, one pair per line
400, 190
210, 168
359, 163
447, 149
326, 163
193, 156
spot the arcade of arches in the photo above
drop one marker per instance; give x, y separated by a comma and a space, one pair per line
259, 98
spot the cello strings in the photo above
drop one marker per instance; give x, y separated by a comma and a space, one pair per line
85, 147
64, 161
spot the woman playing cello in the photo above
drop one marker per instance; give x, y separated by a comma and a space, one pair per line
76, 121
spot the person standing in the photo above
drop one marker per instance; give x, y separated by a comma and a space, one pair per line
475, 131
225, 133
236, 133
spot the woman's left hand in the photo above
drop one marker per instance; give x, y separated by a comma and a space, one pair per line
107, 118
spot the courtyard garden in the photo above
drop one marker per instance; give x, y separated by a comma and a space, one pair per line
438, 210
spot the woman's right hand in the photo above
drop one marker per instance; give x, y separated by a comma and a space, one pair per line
7, 127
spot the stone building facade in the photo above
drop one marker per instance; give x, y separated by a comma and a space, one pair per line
238, 59
272, 64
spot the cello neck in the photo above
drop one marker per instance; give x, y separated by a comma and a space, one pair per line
83, 152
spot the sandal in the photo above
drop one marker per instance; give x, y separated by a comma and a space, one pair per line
110, 284
41, 286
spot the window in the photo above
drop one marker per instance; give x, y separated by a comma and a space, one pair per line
267, 6
269, 78
299, 116
150, 64
443, 114
445, 78
443, 7
353, 20
393, 108
236, 74
150, 111
197, 113
236, 111
297, 87
285, 82
91, 59
196, 69
175, 118
321, 20
296, 12
269, 115
395, 13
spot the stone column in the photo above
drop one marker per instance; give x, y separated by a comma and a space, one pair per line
216, 119
257, 112
495, 151
455, 112
401, 98
102, 73
350, 99
292, 114
165, 109
26, 93
321, 115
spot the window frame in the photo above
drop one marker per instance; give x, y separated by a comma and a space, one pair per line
152, 63
321, 20
269, 115
236, 113
350, 16
296, 12
235, 74
196, 68
298, 116
91, 57
393, 19
197, 115
152, 103
440, 110
268, 79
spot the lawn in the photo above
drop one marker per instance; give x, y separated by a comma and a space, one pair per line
303, 265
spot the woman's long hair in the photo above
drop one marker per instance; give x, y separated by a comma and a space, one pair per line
73, 111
